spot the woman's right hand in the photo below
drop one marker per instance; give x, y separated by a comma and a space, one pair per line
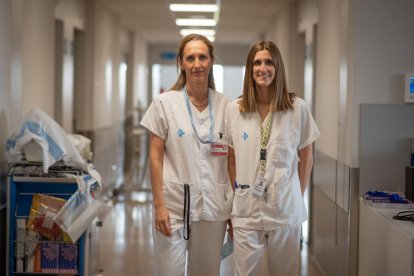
162, 220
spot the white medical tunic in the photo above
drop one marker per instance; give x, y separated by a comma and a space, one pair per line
282, 205
187, 161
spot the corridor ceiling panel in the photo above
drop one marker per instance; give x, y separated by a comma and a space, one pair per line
240, 21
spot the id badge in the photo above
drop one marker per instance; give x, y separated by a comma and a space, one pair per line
219, 149
259, 186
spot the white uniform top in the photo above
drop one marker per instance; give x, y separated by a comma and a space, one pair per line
282, 204
187, 161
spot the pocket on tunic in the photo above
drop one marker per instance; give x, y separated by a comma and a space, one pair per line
281, 200
243, 203
281, 157
220, 200
174, 198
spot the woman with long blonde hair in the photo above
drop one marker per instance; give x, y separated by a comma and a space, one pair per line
188, 166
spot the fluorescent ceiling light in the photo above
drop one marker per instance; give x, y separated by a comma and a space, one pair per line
205, 32
195, 22
193, 8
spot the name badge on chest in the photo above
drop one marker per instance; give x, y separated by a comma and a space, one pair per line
259, 186
219, 149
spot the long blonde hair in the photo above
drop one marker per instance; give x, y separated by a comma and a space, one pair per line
281, 99
182, 80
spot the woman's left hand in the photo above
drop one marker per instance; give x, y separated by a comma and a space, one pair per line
230, 229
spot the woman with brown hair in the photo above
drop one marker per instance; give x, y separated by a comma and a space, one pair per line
188, 166
270, 130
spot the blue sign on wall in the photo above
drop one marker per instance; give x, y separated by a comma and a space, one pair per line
411, 85
168, 55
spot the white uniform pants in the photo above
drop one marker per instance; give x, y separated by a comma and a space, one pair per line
282, 246
203, 249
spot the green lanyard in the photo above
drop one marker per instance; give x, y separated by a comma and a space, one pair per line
264, 140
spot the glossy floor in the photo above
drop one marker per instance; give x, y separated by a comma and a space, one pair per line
126, 247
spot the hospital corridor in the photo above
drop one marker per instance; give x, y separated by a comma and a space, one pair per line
207, 137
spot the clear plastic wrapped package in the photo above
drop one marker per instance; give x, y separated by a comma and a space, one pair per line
42, 212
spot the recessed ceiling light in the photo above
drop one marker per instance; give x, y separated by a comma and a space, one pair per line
205, 32
193, 8
195, 22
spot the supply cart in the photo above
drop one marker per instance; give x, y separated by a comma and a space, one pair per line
35, 244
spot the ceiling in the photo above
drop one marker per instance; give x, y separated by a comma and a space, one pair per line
240, 21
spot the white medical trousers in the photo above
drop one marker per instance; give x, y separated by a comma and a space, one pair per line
282, 246
203, 249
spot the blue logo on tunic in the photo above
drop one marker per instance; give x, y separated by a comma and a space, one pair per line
245, 136
180, 133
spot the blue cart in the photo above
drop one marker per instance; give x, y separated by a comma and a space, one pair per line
29, 252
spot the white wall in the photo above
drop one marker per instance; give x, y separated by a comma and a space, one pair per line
295, 18
169, 76
104, 67
284, 33
279, 34
141, 76
307, 18
26, 60
383, 51
5, 72
327, 76
72, 13
38, 52
233, 81
296, 53
16, 61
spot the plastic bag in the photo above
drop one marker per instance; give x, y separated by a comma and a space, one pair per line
83, 145
38, 128
227, 248
77, 214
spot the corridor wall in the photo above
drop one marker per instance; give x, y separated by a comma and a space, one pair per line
362, 50
28, 78
5, 102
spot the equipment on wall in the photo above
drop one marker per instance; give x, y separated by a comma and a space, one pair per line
409, 88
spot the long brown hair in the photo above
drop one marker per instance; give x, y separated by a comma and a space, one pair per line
281, 99
182, 80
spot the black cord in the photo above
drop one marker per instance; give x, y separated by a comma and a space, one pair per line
186, 215
405, 215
